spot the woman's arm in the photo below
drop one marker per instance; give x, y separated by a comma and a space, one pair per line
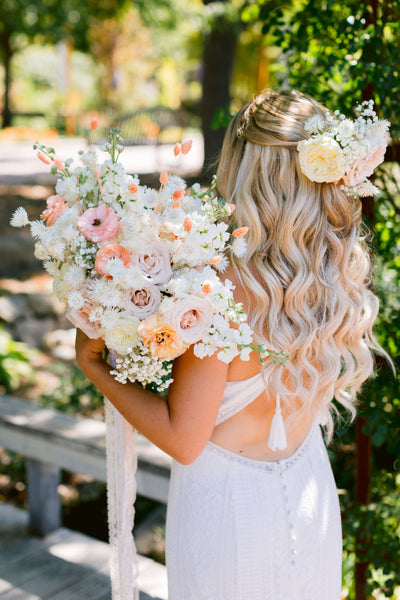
180, 425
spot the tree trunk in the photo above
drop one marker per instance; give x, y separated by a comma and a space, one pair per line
218, 59
7, 55
363, 497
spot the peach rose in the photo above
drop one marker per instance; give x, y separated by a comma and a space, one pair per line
161, 338
143, 301
364, 167
190, 316
154, 262
321, 159
56, 205
111, 250
98, 224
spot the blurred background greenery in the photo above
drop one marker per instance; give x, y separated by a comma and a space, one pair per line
63, 63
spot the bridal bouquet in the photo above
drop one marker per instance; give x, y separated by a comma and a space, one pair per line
139, 266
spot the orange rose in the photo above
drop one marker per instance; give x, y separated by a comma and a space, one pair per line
161, 338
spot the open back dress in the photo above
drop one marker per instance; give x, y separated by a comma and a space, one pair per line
245, 529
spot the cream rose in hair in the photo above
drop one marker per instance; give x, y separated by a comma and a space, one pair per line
190, 316
123, 335
143, 301
321, 159
154, 262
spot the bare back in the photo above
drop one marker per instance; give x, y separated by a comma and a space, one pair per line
247, 431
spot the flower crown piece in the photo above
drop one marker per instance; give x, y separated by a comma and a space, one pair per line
344, 150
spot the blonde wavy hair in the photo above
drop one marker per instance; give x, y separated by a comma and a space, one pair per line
307, 267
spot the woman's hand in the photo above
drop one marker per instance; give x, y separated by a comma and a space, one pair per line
88, 350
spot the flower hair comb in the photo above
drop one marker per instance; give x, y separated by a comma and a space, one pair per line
343, 149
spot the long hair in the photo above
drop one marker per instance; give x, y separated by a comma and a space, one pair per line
307, 269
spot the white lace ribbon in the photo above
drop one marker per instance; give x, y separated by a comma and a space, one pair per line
121, 494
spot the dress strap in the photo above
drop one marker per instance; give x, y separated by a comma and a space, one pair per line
238, 395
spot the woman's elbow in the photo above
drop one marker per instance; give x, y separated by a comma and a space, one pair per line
186, 455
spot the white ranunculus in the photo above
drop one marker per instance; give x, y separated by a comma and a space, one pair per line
154, 262
190, 316
123, 335
321, 159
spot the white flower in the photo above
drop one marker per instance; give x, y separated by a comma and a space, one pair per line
124, 335
76, 300
52, 267
57, 249
244, 334
223, 263
228, 354
74, 275
314, 124
116, 268
367, 189
109, 318
201, 350
38, 228
40, 251
19, 218
245, 353
68, 187
106, 293
134, 278
239, 247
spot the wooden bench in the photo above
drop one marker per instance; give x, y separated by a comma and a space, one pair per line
52, 441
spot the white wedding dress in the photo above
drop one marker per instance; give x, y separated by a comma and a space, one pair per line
244, 529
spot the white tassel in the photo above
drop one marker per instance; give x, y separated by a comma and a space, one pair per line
277, 434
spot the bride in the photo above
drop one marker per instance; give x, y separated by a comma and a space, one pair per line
254, 515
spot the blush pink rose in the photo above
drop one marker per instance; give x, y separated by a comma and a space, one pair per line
111, 250
80, 317
56, 205
144, 301
154, 262
364, 167
98, 224
190, 316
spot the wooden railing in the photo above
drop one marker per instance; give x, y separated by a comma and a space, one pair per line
52, 441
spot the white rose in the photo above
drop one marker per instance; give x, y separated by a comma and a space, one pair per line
321, 159
123, 335
154, 262
190, 316
143, 301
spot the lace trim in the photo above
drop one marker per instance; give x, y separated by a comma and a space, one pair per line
121, 494
270, 466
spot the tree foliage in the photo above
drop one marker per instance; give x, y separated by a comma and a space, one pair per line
22, 21
341, 53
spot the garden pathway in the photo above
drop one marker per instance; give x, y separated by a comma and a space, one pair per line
19, 164
65, 565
